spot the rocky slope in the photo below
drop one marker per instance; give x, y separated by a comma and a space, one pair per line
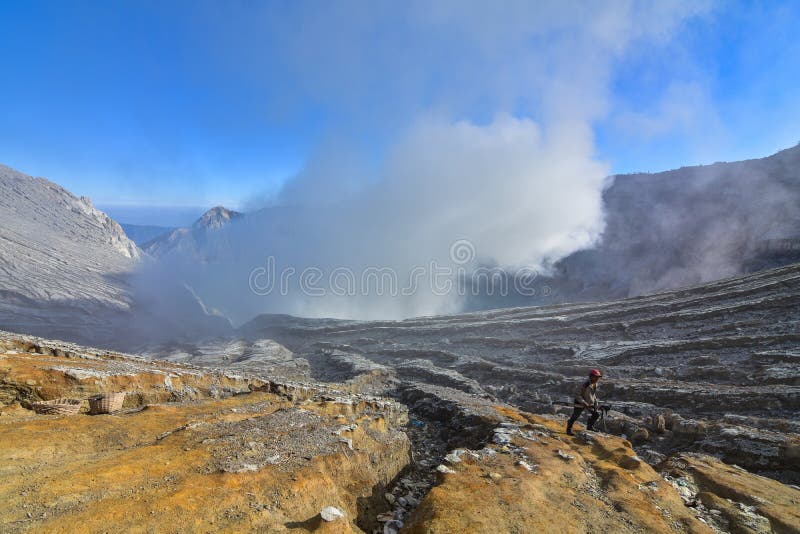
714, 368
69, 271
62, 262
192, 449
535, 479
202, 450
688, 226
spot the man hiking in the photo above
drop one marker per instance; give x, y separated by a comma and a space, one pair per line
586, 397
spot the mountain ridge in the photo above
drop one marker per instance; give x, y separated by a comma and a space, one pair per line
681, 227
58, 253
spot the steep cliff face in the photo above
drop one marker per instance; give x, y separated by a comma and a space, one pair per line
61, 260
68, 271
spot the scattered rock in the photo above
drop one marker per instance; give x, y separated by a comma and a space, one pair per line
640, 435
412, 501
525, 465
501, 438
660, 424
452, 458
564, 456
650, 456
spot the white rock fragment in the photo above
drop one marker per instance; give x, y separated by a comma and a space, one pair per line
246, 468
502, 434
525, 465
331, 513
564, 456
443, 469
501, 438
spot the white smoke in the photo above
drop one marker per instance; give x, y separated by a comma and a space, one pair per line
458, 122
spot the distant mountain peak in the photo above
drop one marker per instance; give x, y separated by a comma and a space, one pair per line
216, 217
201, 241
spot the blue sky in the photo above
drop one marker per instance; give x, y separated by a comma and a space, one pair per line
205, 103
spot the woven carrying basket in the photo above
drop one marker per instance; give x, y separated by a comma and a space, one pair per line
108, 403
57, 407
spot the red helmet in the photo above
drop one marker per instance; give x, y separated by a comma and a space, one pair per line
595, 372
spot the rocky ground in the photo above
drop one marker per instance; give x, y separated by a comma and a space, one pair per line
197, 449
192, 450
713, 369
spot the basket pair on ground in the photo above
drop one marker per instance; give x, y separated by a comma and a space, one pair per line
107, 403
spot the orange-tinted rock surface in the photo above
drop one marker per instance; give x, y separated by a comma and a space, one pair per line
257, 461
546, 481
747, 502
32, 369
197, 450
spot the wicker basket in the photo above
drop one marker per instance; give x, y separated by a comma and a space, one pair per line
57, 407
108, 403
